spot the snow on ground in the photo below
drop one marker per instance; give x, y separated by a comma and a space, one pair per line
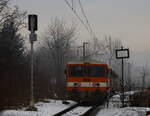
44, 109
54, 106
77, 111
127, 111
115, 110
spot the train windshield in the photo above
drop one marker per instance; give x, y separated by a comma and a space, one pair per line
87, 71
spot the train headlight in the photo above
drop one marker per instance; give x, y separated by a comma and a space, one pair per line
96, 84
77, 84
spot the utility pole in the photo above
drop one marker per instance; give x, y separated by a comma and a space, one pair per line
129, 76
110, 51
84, 50
143, 77
110, 58
78, 52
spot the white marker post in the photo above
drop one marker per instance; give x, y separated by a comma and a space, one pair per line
32, 37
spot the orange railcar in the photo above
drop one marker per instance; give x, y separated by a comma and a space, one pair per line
87, 81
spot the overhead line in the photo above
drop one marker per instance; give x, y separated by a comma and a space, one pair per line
83, 12
77, 16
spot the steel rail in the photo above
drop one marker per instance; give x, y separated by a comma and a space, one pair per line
90, 111
93, 110
66, 110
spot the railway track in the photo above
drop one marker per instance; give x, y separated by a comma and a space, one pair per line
66, 110
79, 110
92, 111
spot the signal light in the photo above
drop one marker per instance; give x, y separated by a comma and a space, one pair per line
77, 84
32, 22
96, 85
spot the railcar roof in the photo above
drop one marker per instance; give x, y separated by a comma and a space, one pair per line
83, 62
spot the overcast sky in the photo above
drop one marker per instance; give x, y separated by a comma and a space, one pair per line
128, 20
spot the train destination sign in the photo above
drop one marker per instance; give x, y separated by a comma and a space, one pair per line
122, 53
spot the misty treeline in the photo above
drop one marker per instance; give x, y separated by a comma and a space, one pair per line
58, 45
13, 57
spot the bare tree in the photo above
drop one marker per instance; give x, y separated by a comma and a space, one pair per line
104, 49
7, 12
144, 74
57, 44
3, 10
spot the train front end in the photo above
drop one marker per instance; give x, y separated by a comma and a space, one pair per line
87, 81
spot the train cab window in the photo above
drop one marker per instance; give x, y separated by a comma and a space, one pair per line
96, 71
76, 71
87, 71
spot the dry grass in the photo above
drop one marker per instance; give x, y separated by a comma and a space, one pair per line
141, 99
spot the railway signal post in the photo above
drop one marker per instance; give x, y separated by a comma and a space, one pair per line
122, 54
32, 27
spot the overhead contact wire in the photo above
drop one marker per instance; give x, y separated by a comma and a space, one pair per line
77, 16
